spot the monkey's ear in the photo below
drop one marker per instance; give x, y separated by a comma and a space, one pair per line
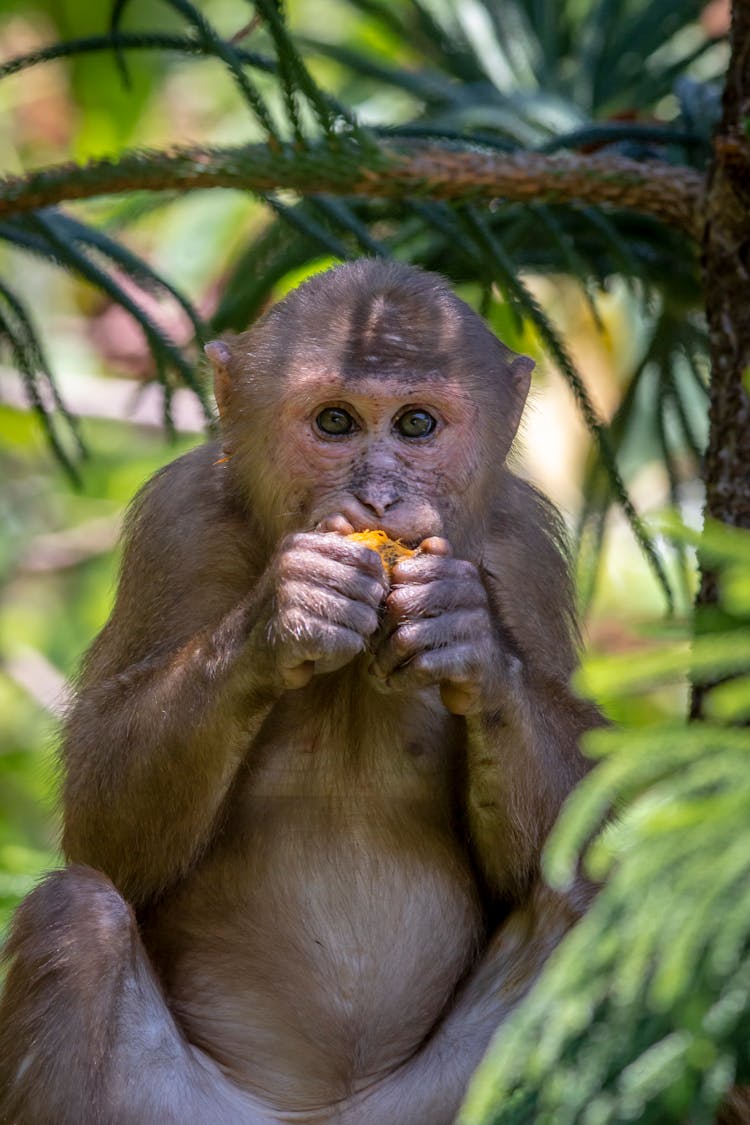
220, 354
520, 380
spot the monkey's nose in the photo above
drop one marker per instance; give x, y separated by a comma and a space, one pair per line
378, 504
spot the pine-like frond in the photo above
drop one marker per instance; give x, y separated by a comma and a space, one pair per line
480, 75
17, 333
643, 1014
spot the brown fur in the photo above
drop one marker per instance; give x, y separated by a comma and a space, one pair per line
736, 1109
323, 797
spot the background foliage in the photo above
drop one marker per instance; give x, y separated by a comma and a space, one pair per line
104, 303
651, 992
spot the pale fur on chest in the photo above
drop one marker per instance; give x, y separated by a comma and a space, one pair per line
341, 865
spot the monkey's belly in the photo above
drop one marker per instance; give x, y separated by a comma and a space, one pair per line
326, 952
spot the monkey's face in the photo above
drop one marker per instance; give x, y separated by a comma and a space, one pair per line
370, 397
380, 452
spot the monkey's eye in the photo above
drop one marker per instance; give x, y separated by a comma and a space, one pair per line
415, 423
335, 422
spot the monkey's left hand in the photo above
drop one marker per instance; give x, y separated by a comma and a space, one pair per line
438, 630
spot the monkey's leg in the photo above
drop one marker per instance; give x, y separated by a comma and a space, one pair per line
429, 1088
85, 1033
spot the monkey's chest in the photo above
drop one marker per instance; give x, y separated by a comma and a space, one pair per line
326, 935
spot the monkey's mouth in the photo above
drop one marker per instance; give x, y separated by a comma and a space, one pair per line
411, 536
348, 524
411, 542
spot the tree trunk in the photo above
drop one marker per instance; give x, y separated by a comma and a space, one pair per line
726, 270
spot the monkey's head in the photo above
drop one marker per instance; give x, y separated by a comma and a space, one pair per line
371, 397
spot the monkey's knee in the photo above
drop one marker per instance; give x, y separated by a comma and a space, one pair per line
74, 924
69, 945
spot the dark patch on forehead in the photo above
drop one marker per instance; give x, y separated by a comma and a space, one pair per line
379, 319
387, 333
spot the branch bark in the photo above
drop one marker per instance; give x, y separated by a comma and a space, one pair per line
726, 268
672, 193
726, 264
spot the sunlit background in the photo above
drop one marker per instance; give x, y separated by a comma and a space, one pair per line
58, 556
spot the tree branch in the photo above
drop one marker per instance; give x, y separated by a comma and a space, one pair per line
671, 193
726, 270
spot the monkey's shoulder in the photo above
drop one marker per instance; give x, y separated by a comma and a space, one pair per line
195, 476
188, 496
187, 559
186, 521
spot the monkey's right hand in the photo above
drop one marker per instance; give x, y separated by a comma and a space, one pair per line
326, 595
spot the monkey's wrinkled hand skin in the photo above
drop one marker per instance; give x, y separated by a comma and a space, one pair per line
438, 630
326, 599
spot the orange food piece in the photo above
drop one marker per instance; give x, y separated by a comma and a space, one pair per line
390, 550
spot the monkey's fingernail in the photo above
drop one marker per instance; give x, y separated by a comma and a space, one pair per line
436, 545
339, 524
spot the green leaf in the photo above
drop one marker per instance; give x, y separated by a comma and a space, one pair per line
17, 329
218, 46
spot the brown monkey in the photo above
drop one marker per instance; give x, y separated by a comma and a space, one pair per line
311, 798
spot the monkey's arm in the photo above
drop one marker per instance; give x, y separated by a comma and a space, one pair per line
523, 759
151, 751
168, 700
499, 640
206, 634
522, 730
523, 742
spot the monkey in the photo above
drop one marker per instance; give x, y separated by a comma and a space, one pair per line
305, 799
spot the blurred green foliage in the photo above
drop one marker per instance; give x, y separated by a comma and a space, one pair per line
53, 599
627, 79
643, 1014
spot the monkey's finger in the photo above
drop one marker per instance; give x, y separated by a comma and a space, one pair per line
326, 646
345, 647
321, 574
338, 523
459, 664
316, 551
436, 545
432, 568
432, 599
298, 676
442, 634
326, 545
307, 609
333, 578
